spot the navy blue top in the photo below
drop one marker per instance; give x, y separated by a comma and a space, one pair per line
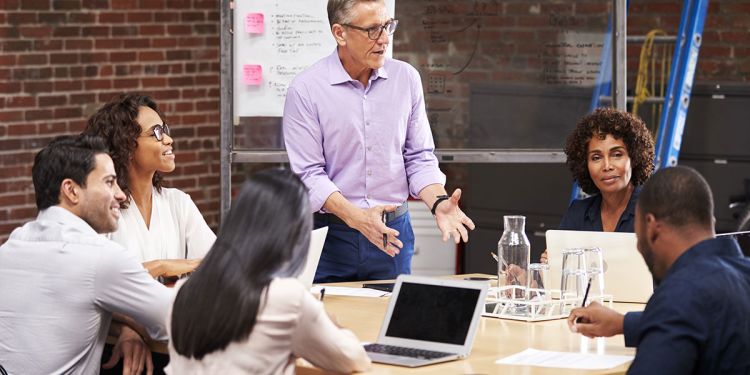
586, 214
698, 319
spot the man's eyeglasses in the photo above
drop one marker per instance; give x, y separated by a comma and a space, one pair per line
159, 131
375, 32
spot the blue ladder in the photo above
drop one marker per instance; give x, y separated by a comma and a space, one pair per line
679, 87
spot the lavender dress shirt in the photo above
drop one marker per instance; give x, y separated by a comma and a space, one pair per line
373, 144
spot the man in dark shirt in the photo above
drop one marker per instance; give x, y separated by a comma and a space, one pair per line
698, 319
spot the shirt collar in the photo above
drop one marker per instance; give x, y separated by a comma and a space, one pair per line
724, 246
337, 74
596, 206
66, 218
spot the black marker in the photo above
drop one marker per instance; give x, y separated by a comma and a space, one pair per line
585, 297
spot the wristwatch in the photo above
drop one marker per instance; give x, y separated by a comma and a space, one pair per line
440, 198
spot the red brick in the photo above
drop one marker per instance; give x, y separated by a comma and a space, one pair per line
98, 84
25, 213
137, 17
52, 100
34, 87
18, 101
122, 56
17, 45
53, 18
35, 31
108, 43
9, 116
189, 17
153, 82
66, 31
17, 18
151, 56
9, 4
122, 31
92, 57
112, 17
151, 30
164, 43
63, 58
73, 85
140, 43
66, 4
79, 44
69, 112
125, 83
33, 59
38, 114
95, 31
53, 127
125, 5
35, 4
179, 30
22, 129
82, 17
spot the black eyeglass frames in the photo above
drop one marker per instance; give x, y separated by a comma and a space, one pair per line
375, 32
160, 130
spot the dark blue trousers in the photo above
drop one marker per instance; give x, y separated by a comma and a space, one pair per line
349, 256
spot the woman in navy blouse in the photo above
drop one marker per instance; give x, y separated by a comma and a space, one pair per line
610, 154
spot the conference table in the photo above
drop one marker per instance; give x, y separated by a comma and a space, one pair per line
495, 339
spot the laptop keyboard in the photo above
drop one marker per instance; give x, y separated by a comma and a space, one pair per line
405, 352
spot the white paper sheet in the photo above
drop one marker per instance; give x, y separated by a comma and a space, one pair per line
351, 292
544, 358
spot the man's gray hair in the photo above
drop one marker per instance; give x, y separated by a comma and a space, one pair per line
340, 11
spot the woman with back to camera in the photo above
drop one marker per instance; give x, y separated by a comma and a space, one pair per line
162, 226
610, 154
243, 310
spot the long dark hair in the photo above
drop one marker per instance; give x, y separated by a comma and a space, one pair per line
116, 123
265, 235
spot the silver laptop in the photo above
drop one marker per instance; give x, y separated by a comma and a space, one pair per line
429, 321
626, 276
317, 240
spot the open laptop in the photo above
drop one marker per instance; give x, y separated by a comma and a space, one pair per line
626, 276
317, 240
429, 321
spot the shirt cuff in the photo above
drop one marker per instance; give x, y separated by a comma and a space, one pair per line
631, 328
320, 190
421, 180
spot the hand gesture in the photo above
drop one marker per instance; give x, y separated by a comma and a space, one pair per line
370, 224
596, 321
451, 220
133, 351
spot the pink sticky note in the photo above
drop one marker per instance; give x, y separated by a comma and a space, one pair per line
252, 74
254, 23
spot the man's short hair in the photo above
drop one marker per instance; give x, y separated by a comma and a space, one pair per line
678, 195
340, 11
70, 157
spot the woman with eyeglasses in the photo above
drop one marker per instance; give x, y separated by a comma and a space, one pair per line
244, 311
161, 226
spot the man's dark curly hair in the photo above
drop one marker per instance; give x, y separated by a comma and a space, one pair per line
621, 125
116, 123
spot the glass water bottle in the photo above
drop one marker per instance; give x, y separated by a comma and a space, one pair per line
513, 252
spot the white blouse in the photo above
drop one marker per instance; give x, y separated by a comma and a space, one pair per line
177, 231
291, 324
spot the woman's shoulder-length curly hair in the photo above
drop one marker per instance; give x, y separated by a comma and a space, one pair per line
621, 125
116, 122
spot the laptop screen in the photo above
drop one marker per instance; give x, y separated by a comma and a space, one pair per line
433, 313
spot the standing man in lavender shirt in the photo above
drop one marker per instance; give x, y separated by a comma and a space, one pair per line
357, 134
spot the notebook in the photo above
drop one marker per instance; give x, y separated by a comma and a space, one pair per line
317, 240
428, 321
626, 276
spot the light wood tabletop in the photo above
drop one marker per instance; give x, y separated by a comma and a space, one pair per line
495, 339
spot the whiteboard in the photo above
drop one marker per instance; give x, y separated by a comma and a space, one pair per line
274, 40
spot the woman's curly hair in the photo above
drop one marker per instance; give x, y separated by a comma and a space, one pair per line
621, 125
116, 123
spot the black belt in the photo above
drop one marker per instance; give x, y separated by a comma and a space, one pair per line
389, 216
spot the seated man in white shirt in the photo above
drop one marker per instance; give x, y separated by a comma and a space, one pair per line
60, 281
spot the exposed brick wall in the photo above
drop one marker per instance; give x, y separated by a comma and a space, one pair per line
62, 59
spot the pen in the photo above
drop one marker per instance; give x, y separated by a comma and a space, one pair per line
322, 294
585, 297
385, 235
